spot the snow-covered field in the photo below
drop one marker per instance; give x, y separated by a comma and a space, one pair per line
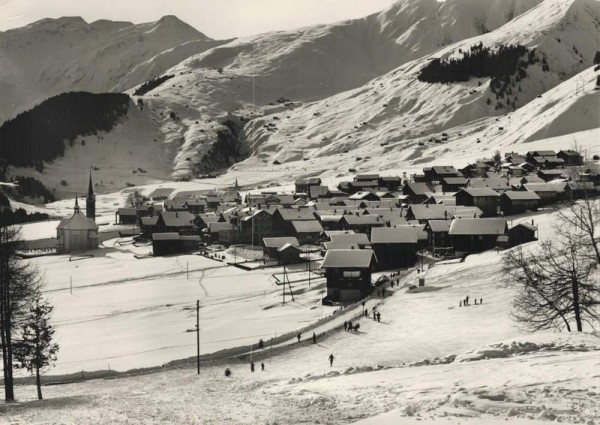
428, 361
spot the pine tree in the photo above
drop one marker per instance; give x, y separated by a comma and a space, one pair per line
36, 351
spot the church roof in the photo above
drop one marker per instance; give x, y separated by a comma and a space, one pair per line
77, 221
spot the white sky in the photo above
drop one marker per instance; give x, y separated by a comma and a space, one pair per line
217, 19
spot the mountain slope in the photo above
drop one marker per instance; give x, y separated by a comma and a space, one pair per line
52, 56
275, 74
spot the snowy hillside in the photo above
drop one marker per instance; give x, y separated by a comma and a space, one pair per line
378, 58
52, 56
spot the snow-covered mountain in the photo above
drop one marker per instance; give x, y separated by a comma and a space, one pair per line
319, 97
327, 89
52, 56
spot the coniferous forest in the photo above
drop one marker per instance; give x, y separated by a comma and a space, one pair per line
151, 85
40, 133
479, 62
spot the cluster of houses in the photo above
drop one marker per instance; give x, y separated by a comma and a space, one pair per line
372, 222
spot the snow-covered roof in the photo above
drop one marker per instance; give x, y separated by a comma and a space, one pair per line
307, 226
77, 221
279, 242
404, 234
348, 258
521, 195
478, 226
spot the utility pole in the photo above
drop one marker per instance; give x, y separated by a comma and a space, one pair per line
198, 334
308, 264
187, 270
71, 283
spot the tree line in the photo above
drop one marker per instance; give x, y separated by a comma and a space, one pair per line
39, 134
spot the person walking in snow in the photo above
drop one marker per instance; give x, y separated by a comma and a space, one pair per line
262, 366
299, 336
350, 325
480, 300
331, 360
460, 303
374, 315
467, 300
378, 317
314, 338
252, 367
366, 312
345, 325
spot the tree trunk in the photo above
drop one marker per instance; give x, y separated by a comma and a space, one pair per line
576, 304
38, 382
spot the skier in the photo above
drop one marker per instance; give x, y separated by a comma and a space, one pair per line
467, 300
475, 301
331, 360
252, 367
374, 315
350, 325
480, 300
314, 338
378, 317
262, 366
345, 325
366, 312
299, 336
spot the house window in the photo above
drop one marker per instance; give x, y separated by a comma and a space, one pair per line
353, 274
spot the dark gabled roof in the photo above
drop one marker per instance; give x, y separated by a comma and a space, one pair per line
444, 170
455, 180
348, 258
543, 187
523, 195
570, 152
363, 177
429, 211
390, 235
365, 183
527, 226
316, 191
279, 242
149, 221
307, 226
418, 188
478, 226
541, 153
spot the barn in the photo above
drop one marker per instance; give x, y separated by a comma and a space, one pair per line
348, 274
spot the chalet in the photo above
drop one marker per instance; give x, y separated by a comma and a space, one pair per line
175, 221
316, 192
172, 205
438, 172
447, 199
422, 236
283, 217
348, 274
149, 210
212, 203
528, 167
189, 243
395, 247
548, 175
551, 163
363, 185
522, 233
307, 231
453, 184
166, 243
255, 200
366, 177
476, 234
391, 183
485, 199
126, 216
303, 185
360, 223
161, 193
424, 212
474, 170
148, 226
195, 205
540, 155
570, 157
330, 221
547, 192
517, 201
416, 192
437, 234
582, 189
256, 226
272, 246
516, 171
201, 221
215, 229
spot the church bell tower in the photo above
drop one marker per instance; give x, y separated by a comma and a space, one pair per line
90, 201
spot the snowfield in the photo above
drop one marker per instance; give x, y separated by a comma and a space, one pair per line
428, 361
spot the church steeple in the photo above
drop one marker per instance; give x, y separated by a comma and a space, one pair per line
90, 200
76, 207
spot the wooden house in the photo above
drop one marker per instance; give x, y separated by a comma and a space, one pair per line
522, 233
175, 221
348, 274
256, 226
471, 235
272, 246
517, 201
570, 157
360, 223
416, 192
148, 226
485, 199
166, 243
547, 192
453, 184
303, 185
307, 231
437, 234
395, 247
126, 216
439, 172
